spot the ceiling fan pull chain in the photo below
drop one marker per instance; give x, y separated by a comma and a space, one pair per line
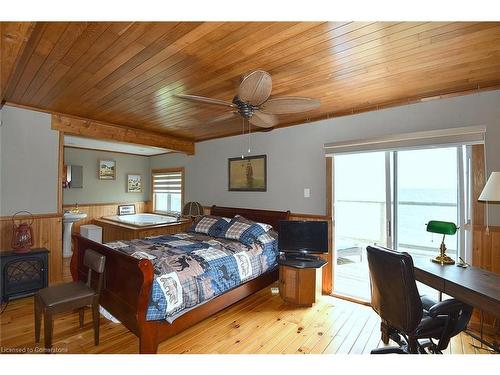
249, 129
243, 136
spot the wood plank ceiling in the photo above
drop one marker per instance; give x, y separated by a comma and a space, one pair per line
126, 73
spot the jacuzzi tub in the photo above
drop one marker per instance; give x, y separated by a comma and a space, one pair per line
143, 220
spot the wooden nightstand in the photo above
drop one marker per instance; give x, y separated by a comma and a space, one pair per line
300, 286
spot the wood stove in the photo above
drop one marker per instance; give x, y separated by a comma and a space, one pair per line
23, 274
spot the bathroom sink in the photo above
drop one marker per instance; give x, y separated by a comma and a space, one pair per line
69, 217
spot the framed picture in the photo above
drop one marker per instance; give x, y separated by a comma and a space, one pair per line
248, 174
107, 169
134, 183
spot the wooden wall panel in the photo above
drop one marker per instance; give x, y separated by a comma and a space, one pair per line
486, 255
485, 241
478, 182
486, 248
47, 232
98, 210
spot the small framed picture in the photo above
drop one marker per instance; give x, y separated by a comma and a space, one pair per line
248, 174
107, 170
134, 183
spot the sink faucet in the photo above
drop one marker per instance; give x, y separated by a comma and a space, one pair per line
75, 209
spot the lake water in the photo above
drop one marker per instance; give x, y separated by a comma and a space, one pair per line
360, 223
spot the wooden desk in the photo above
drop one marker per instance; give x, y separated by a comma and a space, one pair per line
474, 286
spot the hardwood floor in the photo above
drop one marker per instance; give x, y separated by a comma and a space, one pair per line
261, 323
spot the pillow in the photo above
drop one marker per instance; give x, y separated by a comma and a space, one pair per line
216, 229
264, 226
242, 230
207, 224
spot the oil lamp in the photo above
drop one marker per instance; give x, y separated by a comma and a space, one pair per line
22, 234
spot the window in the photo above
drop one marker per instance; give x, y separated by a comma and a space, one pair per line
168, 190
387, 197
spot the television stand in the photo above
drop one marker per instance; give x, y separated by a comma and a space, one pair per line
300, 285
301, 260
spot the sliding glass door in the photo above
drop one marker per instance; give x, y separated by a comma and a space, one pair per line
387, 198
427, 189
361, 215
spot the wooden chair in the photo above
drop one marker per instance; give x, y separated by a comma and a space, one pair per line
70, 296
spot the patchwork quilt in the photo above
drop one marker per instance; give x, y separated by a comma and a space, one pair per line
192, 268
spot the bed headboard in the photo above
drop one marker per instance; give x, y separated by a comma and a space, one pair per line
262, 216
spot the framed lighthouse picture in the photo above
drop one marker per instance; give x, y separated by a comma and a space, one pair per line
247, 174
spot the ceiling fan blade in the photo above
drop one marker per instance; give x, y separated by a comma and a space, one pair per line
289, 104
255, 87
224, 117
263, 120
205, 100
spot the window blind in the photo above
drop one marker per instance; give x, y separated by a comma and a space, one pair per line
446, 137
167, 182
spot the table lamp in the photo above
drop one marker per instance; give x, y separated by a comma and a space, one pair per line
192, 209
444, 228
491, 193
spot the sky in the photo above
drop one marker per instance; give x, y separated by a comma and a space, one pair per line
362, 176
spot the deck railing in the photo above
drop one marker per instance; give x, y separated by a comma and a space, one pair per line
342, 239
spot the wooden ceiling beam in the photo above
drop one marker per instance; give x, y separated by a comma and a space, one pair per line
98, 130
13, 39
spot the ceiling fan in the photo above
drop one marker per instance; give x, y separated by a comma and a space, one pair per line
253, 102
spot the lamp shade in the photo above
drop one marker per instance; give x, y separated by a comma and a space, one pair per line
192, 209
441, 227
491, 191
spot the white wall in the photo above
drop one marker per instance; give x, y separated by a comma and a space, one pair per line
29, 155
104, 191
29, 162
295, 154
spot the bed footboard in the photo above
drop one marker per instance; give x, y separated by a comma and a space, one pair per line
127, 284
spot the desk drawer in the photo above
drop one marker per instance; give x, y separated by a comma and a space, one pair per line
472, 298
429, 279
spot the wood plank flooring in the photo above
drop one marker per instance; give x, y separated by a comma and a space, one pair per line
261, 323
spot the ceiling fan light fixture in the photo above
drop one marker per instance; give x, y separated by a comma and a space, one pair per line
252, 101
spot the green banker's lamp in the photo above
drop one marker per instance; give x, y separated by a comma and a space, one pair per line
444, 228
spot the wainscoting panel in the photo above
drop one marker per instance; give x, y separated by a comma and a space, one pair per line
98, 210
486, 255
47, 232
485, 244
486, 248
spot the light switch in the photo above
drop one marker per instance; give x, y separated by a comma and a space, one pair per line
307, 193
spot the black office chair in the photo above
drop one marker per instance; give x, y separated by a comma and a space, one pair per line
420, 320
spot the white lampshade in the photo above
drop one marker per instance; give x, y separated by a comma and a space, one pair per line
491, 191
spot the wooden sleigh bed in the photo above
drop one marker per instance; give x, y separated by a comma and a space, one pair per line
128, 282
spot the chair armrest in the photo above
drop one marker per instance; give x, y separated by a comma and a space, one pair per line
447, 307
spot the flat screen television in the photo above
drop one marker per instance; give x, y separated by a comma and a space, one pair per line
306, 237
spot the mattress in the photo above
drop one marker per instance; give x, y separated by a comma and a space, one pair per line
191, 268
